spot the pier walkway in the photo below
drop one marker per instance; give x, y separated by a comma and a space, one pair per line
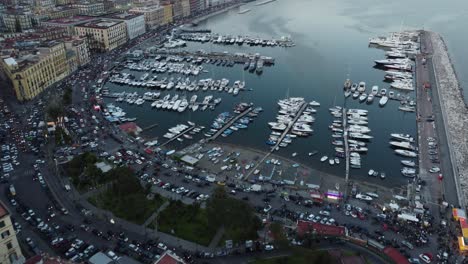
230, 123
176, 137
149, 127
345, 137
286, 131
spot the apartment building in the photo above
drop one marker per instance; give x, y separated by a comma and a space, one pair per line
134, 22
90, 8
10, 251
103, 34
153, 15
32, 70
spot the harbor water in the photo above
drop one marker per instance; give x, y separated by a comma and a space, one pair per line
331, 45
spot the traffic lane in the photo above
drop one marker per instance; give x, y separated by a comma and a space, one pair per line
449, 181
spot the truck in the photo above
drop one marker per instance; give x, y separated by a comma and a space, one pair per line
12, 190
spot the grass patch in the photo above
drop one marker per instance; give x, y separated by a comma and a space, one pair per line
127, 199
195, 224
188, 222
299, 256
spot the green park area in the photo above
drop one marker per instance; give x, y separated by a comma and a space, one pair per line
196, 224
126, 198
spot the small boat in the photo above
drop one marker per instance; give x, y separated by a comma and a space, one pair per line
324, 158
354, 87
347, 93
313, 153
362, 87
382, 175
383, 101
371, 172
370, 98
294, 154
362, 97
331, 162
337, 161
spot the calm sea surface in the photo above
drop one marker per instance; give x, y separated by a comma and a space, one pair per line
331, 43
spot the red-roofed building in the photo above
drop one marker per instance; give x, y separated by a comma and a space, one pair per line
130, 127
304, 227
170, 258
395, 255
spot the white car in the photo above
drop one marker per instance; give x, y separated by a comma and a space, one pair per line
269, 247
267, 209
434, 169
425, 258
325, 213
162, 246
138, 161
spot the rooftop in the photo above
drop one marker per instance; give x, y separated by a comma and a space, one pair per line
123, 16
169, 258
325, 230
100, 23
73, 20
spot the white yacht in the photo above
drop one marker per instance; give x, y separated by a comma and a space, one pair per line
383, 101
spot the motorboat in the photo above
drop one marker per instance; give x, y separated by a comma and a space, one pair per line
375, 90
323, 159
347, 84
403, 144
383, 101
406, 108
408, 163
404, 137
406, 153
356, 94
362, 87
354, 87
362, 97
331, 161
347, 93
370, 98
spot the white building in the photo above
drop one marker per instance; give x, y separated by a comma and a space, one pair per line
135, 23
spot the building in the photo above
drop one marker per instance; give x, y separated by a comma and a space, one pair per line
90, 9
197, 6
153, 15
17, 21
185, 8
168, 15
80, 47
103, 34
10, 251
176, 8
135, 23
308, 227
169, 258
62, 11
50, 33
32, 70
68, 22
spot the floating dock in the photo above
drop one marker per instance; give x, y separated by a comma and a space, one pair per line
230, 123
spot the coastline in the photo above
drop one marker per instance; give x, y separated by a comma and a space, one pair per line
454, 112
200, 19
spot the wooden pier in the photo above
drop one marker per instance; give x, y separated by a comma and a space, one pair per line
149, 127
230, 123
286, 131
176, 137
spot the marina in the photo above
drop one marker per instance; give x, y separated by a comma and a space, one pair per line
351, 149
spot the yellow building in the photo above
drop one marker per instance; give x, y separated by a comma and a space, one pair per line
154, 15
80, 47
167, 14
32, 71
185, 8
103, 34
10, 252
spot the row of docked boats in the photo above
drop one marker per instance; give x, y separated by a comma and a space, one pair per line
403, 144
225, 118
195, 60
294, 118
358, 91
221, 85
239, 40
165, 67
116, 114
183, 131
180, 104
254, 65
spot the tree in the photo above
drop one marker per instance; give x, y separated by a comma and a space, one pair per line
55, 109
67, 96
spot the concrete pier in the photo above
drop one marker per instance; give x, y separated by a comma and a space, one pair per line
230, 123
286, 131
